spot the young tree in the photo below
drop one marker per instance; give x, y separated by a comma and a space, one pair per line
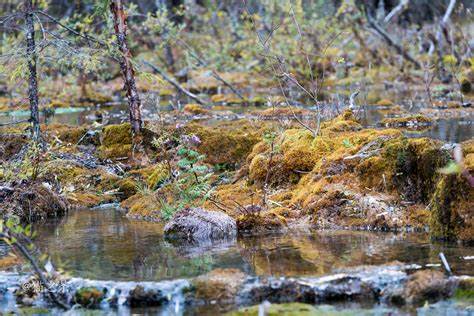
32, 58
126, 66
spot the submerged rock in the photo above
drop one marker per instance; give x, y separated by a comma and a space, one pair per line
220, 285
196, 224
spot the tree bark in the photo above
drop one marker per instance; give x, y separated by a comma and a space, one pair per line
126, 67
32, 58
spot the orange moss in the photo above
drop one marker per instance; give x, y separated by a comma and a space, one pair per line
195, 109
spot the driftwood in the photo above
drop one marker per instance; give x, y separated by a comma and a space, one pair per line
174, 83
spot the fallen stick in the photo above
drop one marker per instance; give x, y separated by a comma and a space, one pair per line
445, 263
175, 83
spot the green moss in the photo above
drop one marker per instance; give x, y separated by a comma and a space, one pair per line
116, 141
127, 187
291, 309
451, 209
160, 173
228, 142
88, 296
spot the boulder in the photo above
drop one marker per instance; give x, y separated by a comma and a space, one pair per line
196, 224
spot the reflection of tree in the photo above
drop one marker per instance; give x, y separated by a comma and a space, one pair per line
321, 252
105, 245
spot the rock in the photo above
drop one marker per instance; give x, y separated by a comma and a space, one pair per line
196, 224
427, 285
89, 296
140, 296
220, 285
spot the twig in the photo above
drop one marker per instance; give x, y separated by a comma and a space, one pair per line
25, 253
174, 83
445, 263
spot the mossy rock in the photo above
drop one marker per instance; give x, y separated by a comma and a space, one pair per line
89, 296
452, 209
287, 309
268, 221
195, 109
228, 142
127, 187
116, 141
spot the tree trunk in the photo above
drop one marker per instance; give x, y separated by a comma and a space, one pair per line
126, 67
33, 76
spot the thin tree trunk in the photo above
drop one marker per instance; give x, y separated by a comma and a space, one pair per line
126, 67
32, 68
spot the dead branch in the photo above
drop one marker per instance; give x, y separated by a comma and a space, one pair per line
174, 83
402, 6
214, 73
390, 41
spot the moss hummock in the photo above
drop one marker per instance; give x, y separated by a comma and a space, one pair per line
116, 141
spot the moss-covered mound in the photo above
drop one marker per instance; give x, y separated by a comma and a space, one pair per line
227, 143
116, 141
353, 177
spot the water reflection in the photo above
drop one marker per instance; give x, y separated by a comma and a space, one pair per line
106, 245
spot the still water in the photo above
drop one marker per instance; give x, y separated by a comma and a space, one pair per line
105, 245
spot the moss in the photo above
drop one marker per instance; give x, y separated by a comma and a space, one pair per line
465, 290
288, 309
227, 99
66, 133
143, 205
195, 109
452, 208
116, 141
88, 199
371, 172
127, 187
384, 102
227, 142
267, 221
160, 173
281, 112
89, 296
406, 121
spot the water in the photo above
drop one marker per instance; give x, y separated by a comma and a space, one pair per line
105, 245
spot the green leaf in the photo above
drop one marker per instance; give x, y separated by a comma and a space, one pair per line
347, 143
451, 168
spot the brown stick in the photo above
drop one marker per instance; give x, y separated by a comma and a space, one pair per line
126, 67
174, 83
